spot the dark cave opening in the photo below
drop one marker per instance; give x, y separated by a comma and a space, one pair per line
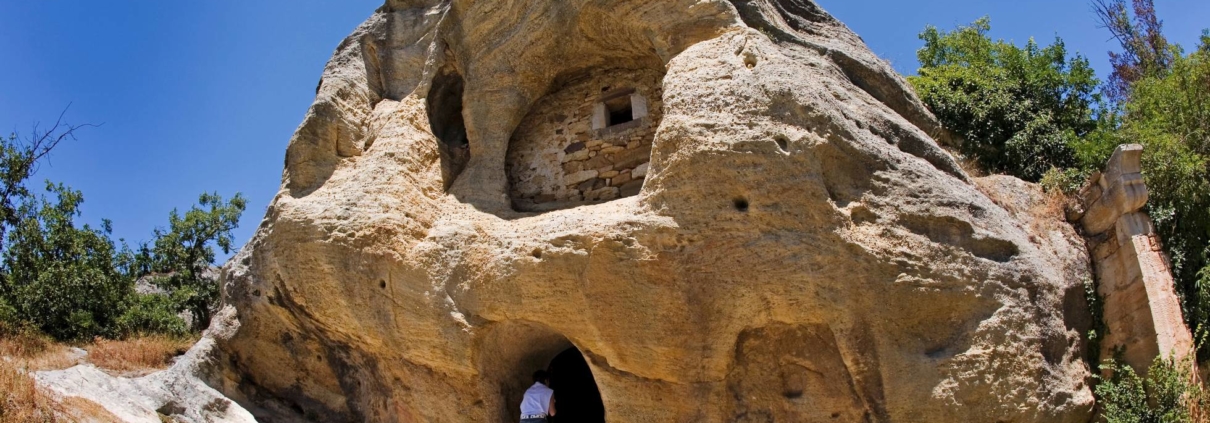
577, 399
447, 124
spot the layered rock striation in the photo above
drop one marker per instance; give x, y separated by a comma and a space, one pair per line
799, 248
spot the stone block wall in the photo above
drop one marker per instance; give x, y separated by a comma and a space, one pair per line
566, 153
1141, 307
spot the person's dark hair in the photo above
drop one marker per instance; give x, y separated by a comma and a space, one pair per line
541, 376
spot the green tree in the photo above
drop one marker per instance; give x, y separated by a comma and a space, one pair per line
179, 257
19, 159
1169, 113
68, 281
1017, 109
1163, 99
72, 282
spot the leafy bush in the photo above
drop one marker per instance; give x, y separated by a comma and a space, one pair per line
19, 159
1018, 110
73, 283
65, 280
153, 314
1168, 394
1067, 181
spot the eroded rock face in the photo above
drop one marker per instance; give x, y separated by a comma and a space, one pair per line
799, 248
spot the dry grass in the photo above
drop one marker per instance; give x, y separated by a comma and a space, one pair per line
22, 402
970, 166
35, 351
23, 351
20, 399
1055, 204
137, 355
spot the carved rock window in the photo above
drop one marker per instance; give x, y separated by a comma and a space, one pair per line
618, 110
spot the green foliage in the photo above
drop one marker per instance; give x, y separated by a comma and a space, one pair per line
8, 314
153, 314
68, 281
1164, 104
1170, 116
1018, 109
1167, 395
1034, 113
1098, 331
1067, 181
72, 282
18, 162
178, 257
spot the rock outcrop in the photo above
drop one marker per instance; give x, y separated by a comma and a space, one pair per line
799, 247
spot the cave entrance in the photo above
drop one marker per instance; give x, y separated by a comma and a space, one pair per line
577, 398
508, 354
445, 119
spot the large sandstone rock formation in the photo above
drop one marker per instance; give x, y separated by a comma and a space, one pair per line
799, 248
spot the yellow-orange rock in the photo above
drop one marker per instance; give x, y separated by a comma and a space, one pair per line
800, 250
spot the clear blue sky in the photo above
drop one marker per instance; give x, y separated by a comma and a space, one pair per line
203, 96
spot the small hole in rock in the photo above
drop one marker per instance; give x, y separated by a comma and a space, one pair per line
835, 415
782, 142
750, 60
537, 253
319, 358
382, 284
741, 205
256, 293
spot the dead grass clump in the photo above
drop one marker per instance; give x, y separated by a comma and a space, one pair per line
137, 355
1054, 205
26, 350
23, 343
22, 402
35, 351
20, 399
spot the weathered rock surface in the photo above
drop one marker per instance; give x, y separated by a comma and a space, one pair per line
801, 249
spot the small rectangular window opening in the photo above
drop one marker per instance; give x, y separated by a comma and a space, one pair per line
620, 111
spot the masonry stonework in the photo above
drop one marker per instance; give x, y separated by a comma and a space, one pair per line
569, 150
1141, 308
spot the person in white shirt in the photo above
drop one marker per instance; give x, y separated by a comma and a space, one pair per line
539, 401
